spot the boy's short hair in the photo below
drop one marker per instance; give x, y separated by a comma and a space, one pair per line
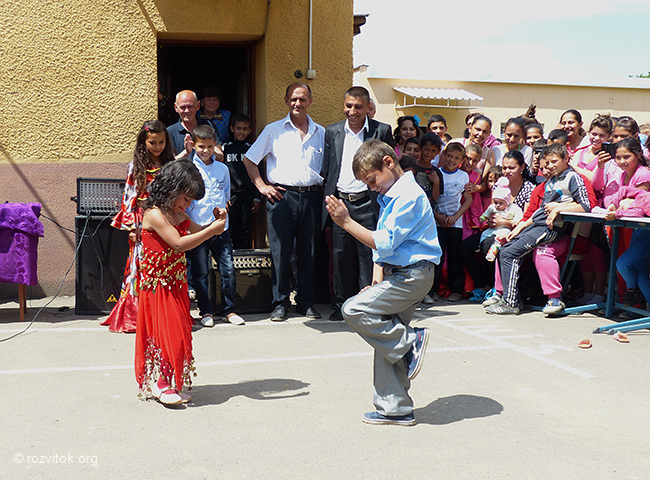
240, 118
370, 156
556, 149
204, 132
455, 146
447, 138
437, 118
558, 134
431, 138
408, 162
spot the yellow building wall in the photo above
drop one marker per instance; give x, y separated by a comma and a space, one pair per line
78, 78
502, 101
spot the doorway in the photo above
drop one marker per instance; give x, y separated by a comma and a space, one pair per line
194, 66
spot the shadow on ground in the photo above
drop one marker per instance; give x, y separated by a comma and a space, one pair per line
457, 408
269, 389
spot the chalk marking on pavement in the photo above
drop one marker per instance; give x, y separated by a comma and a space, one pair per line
56, 329
238, 362
529, 352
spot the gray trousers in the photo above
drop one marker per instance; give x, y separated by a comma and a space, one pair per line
381, 315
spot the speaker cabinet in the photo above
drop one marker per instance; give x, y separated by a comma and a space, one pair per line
101, 261
253, 275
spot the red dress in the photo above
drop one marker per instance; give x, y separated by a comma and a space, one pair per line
163, 340
123, 316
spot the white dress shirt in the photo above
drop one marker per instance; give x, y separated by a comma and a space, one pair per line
290, 159
347, 182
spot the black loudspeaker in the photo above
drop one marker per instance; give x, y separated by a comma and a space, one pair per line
101, 260
253, 275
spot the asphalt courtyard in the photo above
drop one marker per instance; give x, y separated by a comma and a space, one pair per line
498, 397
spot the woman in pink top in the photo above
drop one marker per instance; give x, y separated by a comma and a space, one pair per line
571, 123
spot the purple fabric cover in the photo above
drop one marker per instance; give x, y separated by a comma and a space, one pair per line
19, 232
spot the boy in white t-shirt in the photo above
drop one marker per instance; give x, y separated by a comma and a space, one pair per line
452, 203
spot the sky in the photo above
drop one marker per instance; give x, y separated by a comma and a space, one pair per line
572, 41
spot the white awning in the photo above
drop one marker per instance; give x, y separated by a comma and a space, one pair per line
435, 97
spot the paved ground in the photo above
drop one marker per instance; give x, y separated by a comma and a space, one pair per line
498, 397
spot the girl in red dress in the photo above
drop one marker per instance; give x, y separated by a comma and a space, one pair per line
163, 343
152, 150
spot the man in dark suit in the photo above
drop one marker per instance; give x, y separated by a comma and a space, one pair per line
352, 261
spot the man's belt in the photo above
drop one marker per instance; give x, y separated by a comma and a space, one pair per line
311, 188
353, 197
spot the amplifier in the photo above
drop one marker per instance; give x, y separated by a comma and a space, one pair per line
103, 251
99, 196
253, 275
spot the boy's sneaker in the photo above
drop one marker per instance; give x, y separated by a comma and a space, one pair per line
235, 319
554, 305
376, 418
207, 320
415, 356
633, 296
502, 308
492, 297
454, 297
427, 300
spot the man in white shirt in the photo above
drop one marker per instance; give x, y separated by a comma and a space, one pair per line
293, 148
352, 260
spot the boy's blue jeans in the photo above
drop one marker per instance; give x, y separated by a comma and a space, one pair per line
633, 264
221, 248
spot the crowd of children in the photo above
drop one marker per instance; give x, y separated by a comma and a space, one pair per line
542, 177
494, 204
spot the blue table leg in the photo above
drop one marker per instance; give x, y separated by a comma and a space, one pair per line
611, 284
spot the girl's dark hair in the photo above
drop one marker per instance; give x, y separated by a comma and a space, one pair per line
179, 176
629, 124
602, 121
529, 117
414, 140
532, 126
516, 121
633, 144
400, 121
431, 138
573, 112
496, 170
472, 147
142, 160
483, 118
578, 117
516, 155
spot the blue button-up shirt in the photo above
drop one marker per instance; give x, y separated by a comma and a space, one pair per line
406, 231
216, 177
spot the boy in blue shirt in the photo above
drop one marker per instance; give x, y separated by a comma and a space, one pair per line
217, 193
405, 248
